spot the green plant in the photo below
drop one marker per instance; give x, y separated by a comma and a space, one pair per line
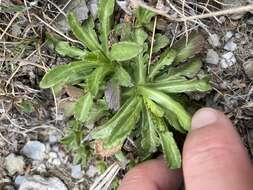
150, 109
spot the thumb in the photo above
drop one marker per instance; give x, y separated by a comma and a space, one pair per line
213, 155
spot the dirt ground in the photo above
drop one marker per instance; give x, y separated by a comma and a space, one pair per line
29, 113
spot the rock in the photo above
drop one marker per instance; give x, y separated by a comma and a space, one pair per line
93, 7
18, 180
214, 40
80, 10
53, 159
228, 59
14, 164
37, 182
230, 46
76, 171
248, 68
228, 36
92, 171
212, 57
54, 136
250, 20
34, 150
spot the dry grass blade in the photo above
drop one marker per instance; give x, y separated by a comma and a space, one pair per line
105, 180
235, 10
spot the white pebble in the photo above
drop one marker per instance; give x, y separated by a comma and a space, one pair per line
214, 40
212, 57
230, 46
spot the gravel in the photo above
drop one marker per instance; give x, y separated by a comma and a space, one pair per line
227, 59
212, 57
37, 182
14, 164
248, 68
214, 40
230, 46
34, 150
76, 171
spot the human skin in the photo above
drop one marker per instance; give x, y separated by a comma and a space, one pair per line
214, 158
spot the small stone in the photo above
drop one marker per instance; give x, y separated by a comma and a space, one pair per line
248, 68
37, 182
41, 168
56, 162
14, 164
54, 136
76, 171
228, 59
34, 150
228, 36
230, 46
212, 57
92, 171
93, 7
214, 40
250, 20
19, 179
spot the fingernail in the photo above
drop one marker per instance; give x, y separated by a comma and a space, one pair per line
204, 117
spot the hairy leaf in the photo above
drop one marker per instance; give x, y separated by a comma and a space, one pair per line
170, 149
173, 121
149, 136
122, 77
139, 68
189, 70
144, 16
168, 103
187, 50
166, 59
105, 11
105, 130
180, 86
64, 49
83, 107
86, 34
97, 76
153, 107
64, 72
123, 51
121, 131
98, 110
161, 41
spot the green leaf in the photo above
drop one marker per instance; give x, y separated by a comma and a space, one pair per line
170, 149
144, 16
98, 110
139, 68
105, 11
105, 130
123, 51
96, 78
166, 59
83, 107
26, 106
189, 70
161, 41
168, 103
149, 136
173, 121
122, 77
178, 86
194, 46
64, 72
153, 107
85, 34
64, 49
121, 131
